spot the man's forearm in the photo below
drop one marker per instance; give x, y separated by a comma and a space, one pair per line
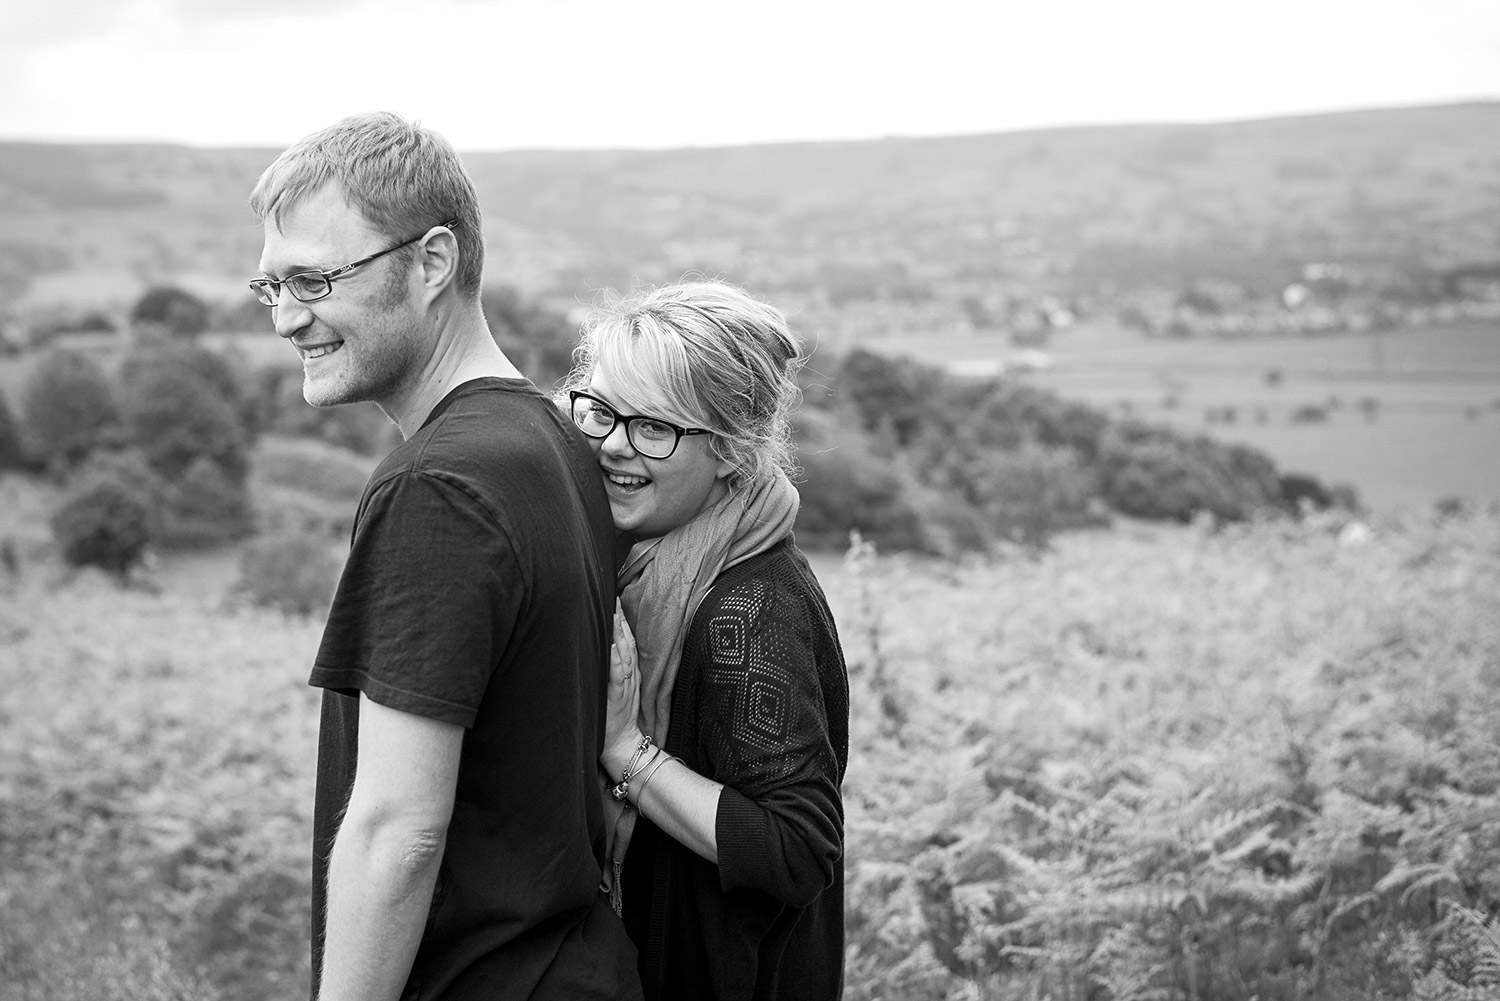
380, 883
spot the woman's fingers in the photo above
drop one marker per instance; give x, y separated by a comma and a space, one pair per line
622, 659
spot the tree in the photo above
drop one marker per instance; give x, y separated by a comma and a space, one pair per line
179, 313
68, 408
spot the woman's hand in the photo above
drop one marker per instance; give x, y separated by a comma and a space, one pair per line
622, 732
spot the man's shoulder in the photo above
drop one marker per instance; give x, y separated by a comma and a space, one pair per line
481, 431
508, 449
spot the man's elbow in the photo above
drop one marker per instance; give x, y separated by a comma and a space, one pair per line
422, 848
404, 849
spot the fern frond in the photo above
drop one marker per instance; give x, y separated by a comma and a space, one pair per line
1254, 841
1231, 826
1348, 907
1266, 892
1411, 879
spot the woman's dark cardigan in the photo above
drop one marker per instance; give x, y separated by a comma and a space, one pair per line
761, 704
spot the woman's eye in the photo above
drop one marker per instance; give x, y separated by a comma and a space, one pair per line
653, 429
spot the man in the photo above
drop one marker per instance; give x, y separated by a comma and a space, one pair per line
457, 828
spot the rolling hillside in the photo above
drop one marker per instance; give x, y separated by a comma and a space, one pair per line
939, 227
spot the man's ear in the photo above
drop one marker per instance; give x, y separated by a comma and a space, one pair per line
439, 259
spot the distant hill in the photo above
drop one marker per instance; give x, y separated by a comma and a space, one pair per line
853, 233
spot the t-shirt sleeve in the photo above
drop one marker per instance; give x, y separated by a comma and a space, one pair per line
426, 604
764, 733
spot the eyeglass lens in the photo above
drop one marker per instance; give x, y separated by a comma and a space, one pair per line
304, 287
652, 438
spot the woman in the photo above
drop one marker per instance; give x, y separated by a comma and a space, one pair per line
728, 699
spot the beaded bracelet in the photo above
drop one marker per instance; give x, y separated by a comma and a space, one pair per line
621, 790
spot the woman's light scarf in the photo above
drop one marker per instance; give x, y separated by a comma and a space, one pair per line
661, 585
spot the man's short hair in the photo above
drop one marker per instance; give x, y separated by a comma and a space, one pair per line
403, 178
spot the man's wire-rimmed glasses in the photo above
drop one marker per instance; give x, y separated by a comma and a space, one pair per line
650, 436
310, 286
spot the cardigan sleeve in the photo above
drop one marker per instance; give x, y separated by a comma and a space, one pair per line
763, 731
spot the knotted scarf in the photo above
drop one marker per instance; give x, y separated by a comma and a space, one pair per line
661, 585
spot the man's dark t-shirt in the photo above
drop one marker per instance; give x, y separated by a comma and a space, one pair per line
478, 591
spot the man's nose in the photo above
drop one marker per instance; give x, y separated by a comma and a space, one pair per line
290, 314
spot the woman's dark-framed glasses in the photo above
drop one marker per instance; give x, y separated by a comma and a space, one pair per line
651, 436
310, 286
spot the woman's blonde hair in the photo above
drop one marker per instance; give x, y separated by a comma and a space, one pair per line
715, 356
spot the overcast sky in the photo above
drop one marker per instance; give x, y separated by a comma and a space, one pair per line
504, 74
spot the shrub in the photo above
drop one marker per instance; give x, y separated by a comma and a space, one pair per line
1006, 414
328, 472
538, 341
12, 451
279, 408
176, 416
103, 523
68, 408
224, 372
238, 315
129, 468
172, 310
205, 506
185, 361
949, 525
1034, 491
290, 571
1153, 473
890, 393
46, 329
1297, 489
845, 487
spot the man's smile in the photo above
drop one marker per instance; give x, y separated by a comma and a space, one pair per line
311, 351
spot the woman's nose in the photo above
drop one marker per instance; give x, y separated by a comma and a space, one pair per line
617, 442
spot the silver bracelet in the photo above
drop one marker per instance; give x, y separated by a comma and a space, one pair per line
661, 759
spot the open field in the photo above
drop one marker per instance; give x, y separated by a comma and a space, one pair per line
1251, 762
1407, 416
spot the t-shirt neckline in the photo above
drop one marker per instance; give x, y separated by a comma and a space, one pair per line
477, 384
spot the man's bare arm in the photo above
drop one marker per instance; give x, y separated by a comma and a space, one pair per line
386, 855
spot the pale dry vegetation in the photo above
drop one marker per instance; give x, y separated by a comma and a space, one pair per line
1150, 762
1180, 763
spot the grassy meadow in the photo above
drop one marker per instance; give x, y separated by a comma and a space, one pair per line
1148, 762
1407, 416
